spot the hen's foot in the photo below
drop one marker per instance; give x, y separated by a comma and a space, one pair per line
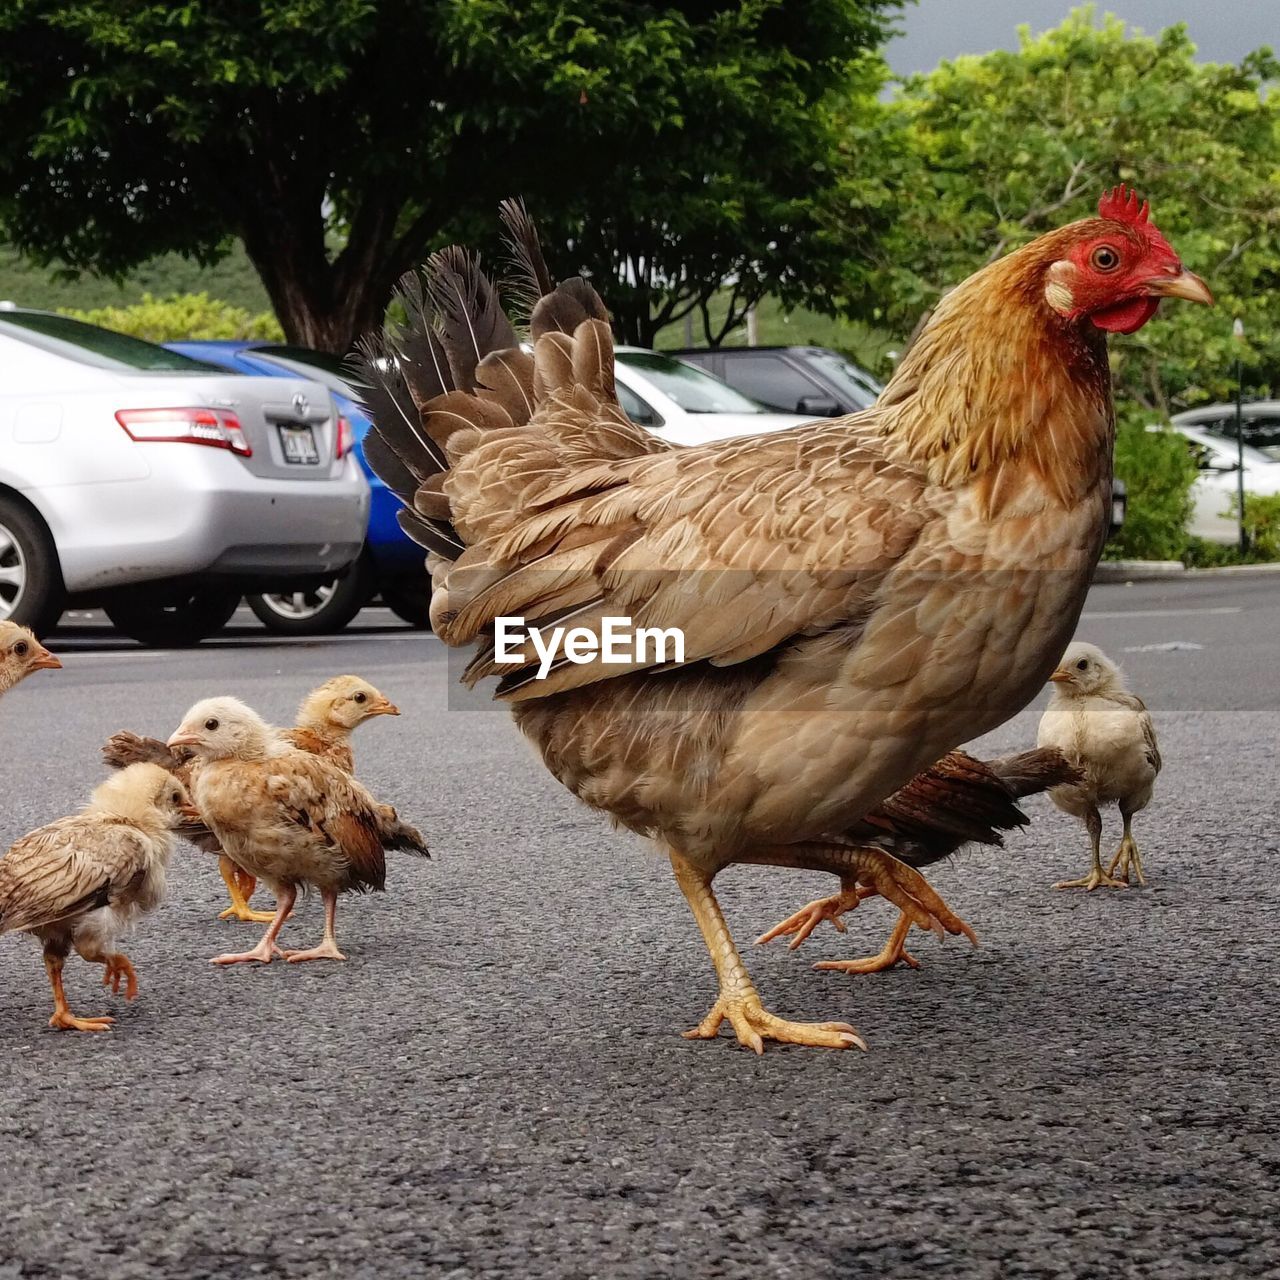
327, 950
753, 1025
120, 970
912, 894
1127, 858
246, 914
263, 953
803, 922
1097, 878
893, 952
65, 1020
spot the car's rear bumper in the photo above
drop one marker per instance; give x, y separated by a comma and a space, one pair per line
200, 512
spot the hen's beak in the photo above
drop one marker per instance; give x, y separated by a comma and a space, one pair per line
45, 661
383, 708
1186, 285
181, 739
1061, 676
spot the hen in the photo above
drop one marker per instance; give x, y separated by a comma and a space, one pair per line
958, 801
1108, 733
81, 881
21, 654
287, 817
327, 718
855, 596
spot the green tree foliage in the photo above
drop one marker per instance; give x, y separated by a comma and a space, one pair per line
339, 139
984, 153
184, 315
1159, 472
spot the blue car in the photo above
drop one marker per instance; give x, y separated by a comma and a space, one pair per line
391, 564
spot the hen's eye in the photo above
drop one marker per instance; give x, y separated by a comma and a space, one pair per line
211, 725
22, 648
1104, 258
360, 697
1083, 664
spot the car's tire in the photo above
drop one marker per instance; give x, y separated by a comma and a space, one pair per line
410, 600
175, 620
31, 591
318, 611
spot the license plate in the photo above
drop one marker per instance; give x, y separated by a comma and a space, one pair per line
298, 442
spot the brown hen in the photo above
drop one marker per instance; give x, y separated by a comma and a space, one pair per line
856, 596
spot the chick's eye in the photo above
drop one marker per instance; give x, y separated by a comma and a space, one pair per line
1083, 664
22, 648
360, 697
1104, 258
211, 725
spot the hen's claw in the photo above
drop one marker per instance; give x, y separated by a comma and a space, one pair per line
246, 915
118, 969
893, 952
64, 1020
263, 953
803, 922
753, 1024
1097, 878
327, 950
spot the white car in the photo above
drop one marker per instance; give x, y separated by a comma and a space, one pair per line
159, 487
1211, 435
685, 404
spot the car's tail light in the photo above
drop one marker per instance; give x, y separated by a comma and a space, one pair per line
217, 428
346, 437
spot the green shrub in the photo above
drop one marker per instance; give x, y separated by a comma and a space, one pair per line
1158, 470
1261, 524
184, 315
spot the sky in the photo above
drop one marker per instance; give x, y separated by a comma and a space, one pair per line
1224, 30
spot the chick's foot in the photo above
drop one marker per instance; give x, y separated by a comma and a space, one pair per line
1096, 879
1127, 859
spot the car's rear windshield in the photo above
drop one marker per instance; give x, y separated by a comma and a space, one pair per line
89, 344
694, 390
858, 385
320, 366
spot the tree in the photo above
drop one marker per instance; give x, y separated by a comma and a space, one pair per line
988, 152
340, 139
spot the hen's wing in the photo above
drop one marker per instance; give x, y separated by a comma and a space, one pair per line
124, 748
573, 515
71, 866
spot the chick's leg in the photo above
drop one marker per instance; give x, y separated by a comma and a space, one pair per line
1096, 877
738, 1000
63, 1019
118, 968
328, 948
240, 887
1127, 855
266, 950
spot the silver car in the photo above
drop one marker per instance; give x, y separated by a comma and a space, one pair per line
159, 487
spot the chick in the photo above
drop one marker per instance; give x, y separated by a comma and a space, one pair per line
327, 718
1107, 732
81, 881
289, 818
21, 654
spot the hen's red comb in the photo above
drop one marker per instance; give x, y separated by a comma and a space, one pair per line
1123, 204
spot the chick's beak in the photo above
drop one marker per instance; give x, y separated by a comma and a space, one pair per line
190, 814
1186, 285
181, 739
384, 708
1061, 676
45, 661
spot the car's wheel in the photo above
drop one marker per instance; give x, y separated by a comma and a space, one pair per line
317, 610
173, 621
410, 600
31, 590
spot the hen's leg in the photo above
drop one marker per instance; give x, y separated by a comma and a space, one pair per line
63, 1019
239, 908
893, 952
266, 949
1127, 855
739, 1001
1096, 876
328, 948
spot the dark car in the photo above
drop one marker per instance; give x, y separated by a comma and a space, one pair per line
809, 380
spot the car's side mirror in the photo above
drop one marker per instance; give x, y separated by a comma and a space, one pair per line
818, 406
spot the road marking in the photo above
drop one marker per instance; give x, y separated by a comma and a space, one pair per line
95, 649
1158, 613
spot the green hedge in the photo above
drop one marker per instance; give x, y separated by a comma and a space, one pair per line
1158, 471
183, 315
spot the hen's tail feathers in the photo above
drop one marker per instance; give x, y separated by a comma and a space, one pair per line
125, 748
398, 836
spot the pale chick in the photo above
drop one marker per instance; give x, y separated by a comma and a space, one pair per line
21, 654
287, 817
1107, 732
327, 718
82, 881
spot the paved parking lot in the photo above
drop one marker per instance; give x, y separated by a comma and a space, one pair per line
493, 1085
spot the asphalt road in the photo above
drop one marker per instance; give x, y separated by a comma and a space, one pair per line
494, 1085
